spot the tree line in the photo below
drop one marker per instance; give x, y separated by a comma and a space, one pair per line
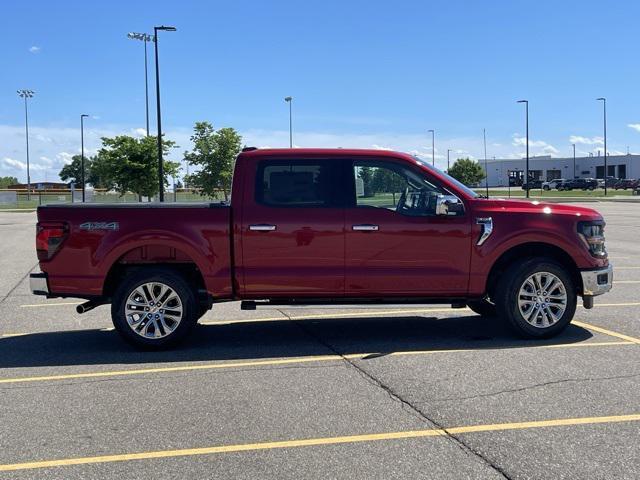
128, 164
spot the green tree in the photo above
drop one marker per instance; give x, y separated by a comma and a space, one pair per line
467, 171
72, 172
214, 154
388, 181
129, 164
366, 174
6, 181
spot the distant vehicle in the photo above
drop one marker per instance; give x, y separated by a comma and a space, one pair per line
626, 183
532, 185
579, 184
611, 181
551, 184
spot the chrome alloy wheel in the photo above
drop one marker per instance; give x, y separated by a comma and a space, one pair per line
153, 310
542, 299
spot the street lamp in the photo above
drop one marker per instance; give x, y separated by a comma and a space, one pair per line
526, 175
486, 170
448, 150
144, 37
160, 165
82, 117
574, 160
289, 100
24, 93
604, 119
433, 147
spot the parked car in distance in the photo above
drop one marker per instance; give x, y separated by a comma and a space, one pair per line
552, 184
299, 231
611, 181
532, 185
626, 183
579, 184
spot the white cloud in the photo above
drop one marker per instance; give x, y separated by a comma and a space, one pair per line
138, 132
35, 49
577, 139
635, 126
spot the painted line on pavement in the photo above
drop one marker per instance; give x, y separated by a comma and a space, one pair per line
611, 333
58, 304
290, 361
321, 441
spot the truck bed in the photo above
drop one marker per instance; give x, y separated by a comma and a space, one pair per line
104, 237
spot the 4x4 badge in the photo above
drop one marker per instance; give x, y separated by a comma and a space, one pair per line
99, 226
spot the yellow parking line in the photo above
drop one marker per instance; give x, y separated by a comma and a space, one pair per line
626, 268
615, 282
607, 332
321, 441
58, 304
289, 361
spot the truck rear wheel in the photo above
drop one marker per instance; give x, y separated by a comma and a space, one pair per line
537, 298
154, 308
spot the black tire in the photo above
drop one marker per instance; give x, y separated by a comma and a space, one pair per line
483, 307
507, 293
185, 294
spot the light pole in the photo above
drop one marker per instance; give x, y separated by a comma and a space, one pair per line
526, 174
433, 147
448, 166
160, 165
574, 160
289, 100
604, 120
82, 117
144, 37
486, 170
24, 93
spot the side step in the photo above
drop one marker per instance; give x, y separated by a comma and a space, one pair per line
342, 303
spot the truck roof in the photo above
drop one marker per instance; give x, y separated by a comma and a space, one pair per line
325, 152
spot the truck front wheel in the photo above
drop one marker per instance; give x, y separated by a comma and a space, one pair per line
537, 298
154, 308
483, 307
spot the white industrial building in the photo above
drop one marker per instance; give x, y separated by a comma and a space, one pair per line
501, 172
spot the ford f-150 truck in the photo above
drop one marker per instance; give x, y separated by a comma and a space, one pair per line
317, 226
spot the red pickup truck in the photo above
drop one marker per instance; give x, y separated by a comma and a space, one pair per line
317, 226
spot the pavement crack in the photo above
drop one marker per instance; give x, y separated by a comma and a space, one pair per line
18, 284
395, 396
530, 387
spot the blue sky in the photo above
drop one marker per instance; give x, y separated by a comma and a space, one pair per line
362, 74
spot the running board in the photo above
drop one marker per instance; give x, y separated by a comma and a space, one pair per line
327, 303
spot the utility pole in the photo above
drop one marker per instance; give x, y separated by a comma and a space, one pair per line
24, 93
82, 117
289, 100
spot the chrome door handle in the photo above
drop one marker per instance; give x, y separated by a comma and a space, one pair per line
262, 227
365, 227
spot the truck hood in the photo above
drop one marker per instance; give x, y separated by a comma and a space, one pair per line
504, 205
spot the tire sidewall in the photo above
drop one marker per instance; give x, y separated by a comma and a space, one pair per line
180, 287
508, 306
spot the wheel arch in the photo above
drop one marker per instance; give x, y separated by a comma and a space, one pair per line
155, 256
529, 250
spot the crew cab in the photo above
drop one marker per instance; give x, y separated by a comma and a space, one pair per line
318, 226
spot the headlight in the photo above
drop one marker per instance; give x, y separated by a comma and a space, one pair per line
592, 233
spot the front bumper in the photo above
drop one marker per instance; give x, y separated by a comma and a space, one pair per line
38, 283
597, 282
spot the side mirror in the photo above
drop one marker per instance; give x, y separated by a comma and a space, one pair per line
449, 205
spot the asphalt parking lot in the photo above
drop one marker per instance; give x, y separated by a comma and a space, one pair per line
413, 392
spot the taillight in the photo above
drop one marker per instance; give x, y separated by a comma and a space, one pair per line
49, 237
592, 233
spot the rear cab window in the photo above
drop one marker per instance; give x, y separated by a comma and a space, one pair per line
302, 183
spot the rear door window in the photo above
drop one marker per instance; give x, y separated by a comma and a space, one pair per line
297, 183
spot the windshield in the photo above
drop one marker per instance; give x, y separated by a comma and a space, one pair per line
458, 184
